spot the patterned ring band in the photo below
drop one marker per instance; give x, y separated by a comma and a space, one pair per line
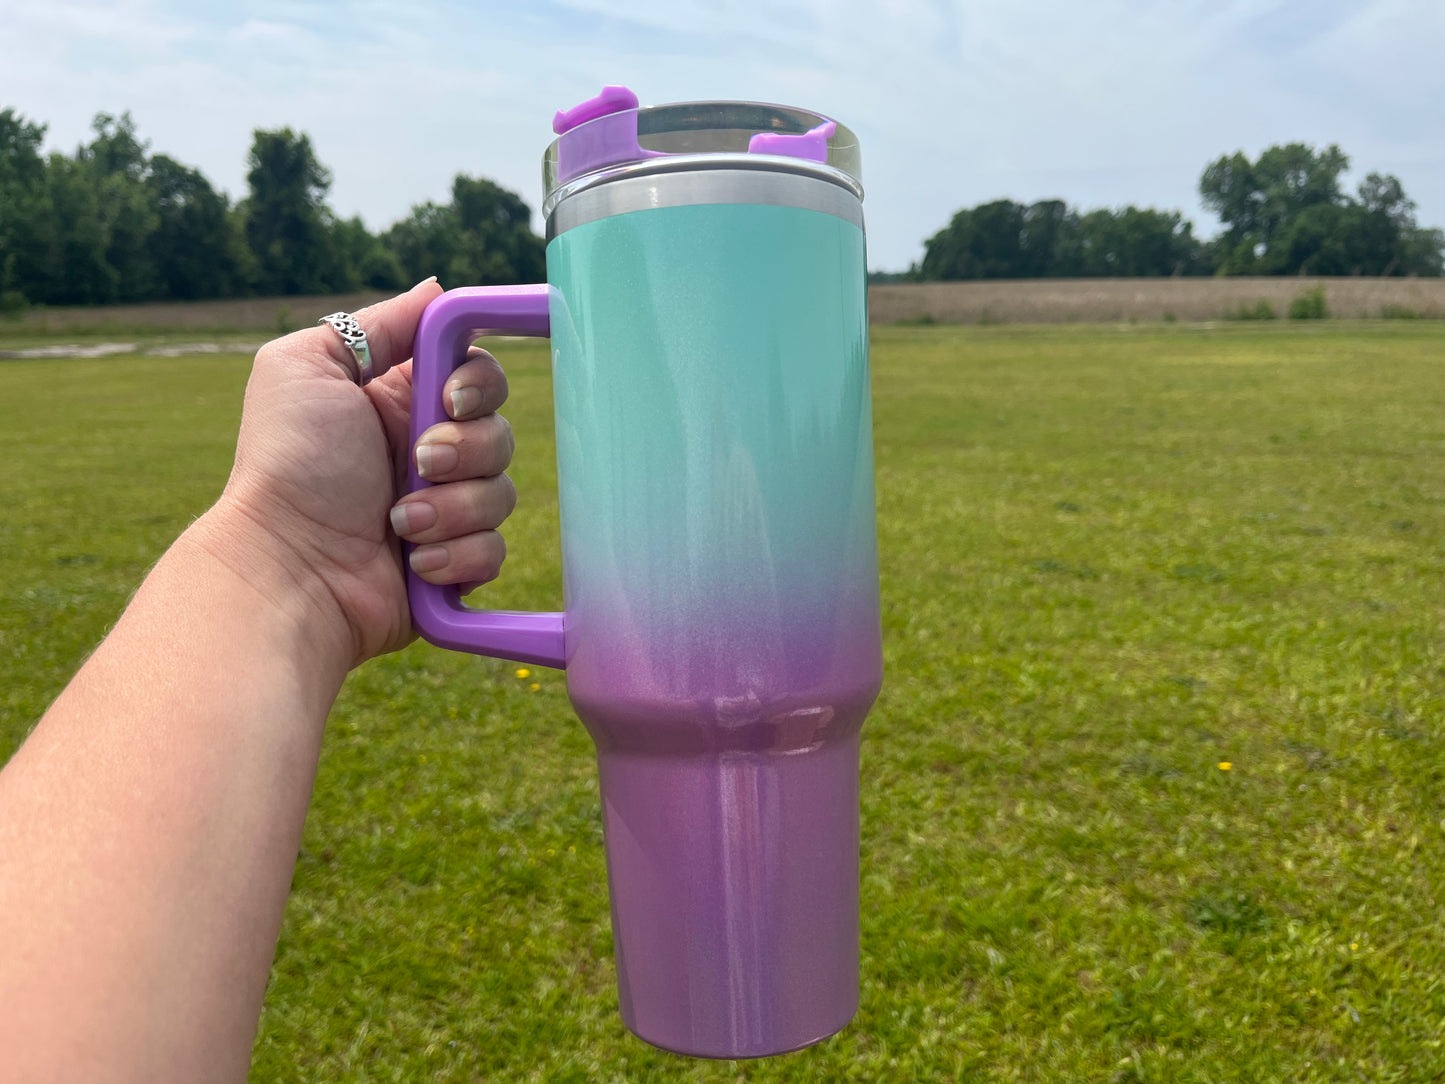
351, 334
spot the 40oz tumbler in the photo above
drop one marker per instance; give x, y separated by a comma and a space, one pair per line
707, 312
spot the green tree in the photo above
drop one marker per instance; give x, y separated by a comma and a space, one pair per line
983, 242
287, 223
1292, 178
73, 230
1137, 242
1423, 253
110, 223
1004, 239
1229, 189
22, 194
482, 238
364, 259
1257, 200
995, 239
1321, 240
197, 246
1048, 240
117, 164
1286, 213
1392, 240
115, 150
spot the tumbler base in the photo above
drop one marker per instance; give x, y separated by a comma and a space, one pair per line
734, 889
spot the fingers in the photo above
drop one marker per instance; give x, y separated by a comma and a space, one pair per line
452, 451
479, 442
478, 387
473, 559
453, 527
452, 523
390, 325
441, 513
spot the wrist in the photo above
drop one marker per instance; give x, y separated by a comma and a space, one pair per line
293, 601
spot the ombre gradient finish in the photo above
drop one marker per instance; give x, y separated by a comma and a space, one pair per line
722, 624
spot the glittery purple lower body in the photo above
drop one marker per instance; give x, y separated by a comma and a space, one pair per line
732, 846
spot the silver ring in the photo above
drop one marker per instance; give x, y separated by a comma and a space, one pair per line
351, 334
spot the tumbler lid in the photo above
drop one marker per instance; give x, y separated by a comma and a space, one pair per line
610, 131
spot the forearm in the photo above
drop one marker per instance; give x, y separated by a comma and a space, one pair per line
149, 826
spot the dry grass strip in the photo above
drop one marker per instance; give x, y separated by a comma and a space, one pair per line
1056, 301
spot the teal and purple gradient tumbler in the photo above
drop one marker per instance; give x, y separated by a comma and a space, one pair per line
707, 310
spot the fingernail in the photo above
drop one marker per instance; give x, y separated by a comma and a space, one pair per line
428, 559
435, 459
423, 282
465, 401
412, 516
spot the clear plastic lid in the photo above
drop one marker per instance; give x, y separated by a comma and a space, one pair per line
610, 131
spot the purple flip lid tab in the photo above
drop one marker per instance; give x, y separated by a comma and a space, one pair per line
812, 144
602, 131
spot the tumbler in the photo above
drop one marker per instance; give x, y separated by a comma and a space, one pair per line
707, 310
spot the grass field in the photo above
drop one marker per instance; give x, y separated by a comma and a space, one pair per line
1154, 790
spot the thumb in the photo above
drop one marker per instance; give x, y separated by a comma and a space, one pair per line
389, 327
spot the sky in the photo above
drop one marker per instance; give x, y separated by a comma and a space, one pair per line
1104, 103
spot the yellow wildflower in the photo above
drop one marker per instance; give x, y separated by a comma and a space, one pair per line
534, 686
524, 673
1225, 765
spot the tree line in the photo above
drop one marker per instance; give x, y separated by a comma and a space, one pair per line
1284, 213
115, 223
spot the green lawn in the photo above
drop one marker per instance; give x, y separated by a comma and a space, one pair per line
1154, 790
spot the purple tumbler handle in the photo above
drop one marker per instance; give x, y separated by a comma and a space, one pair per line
446, 330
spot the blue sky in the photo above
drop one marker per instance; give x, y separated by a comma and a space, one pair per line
1101, 103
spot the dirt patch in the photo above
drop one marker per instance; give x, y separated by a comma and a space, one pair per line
105, 350
273, 315
71, 350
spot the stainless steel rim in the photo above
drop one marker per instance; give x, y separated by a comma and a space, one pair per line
683, 180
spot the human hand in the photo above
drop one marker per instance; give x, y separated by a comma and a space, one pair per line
320, 461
